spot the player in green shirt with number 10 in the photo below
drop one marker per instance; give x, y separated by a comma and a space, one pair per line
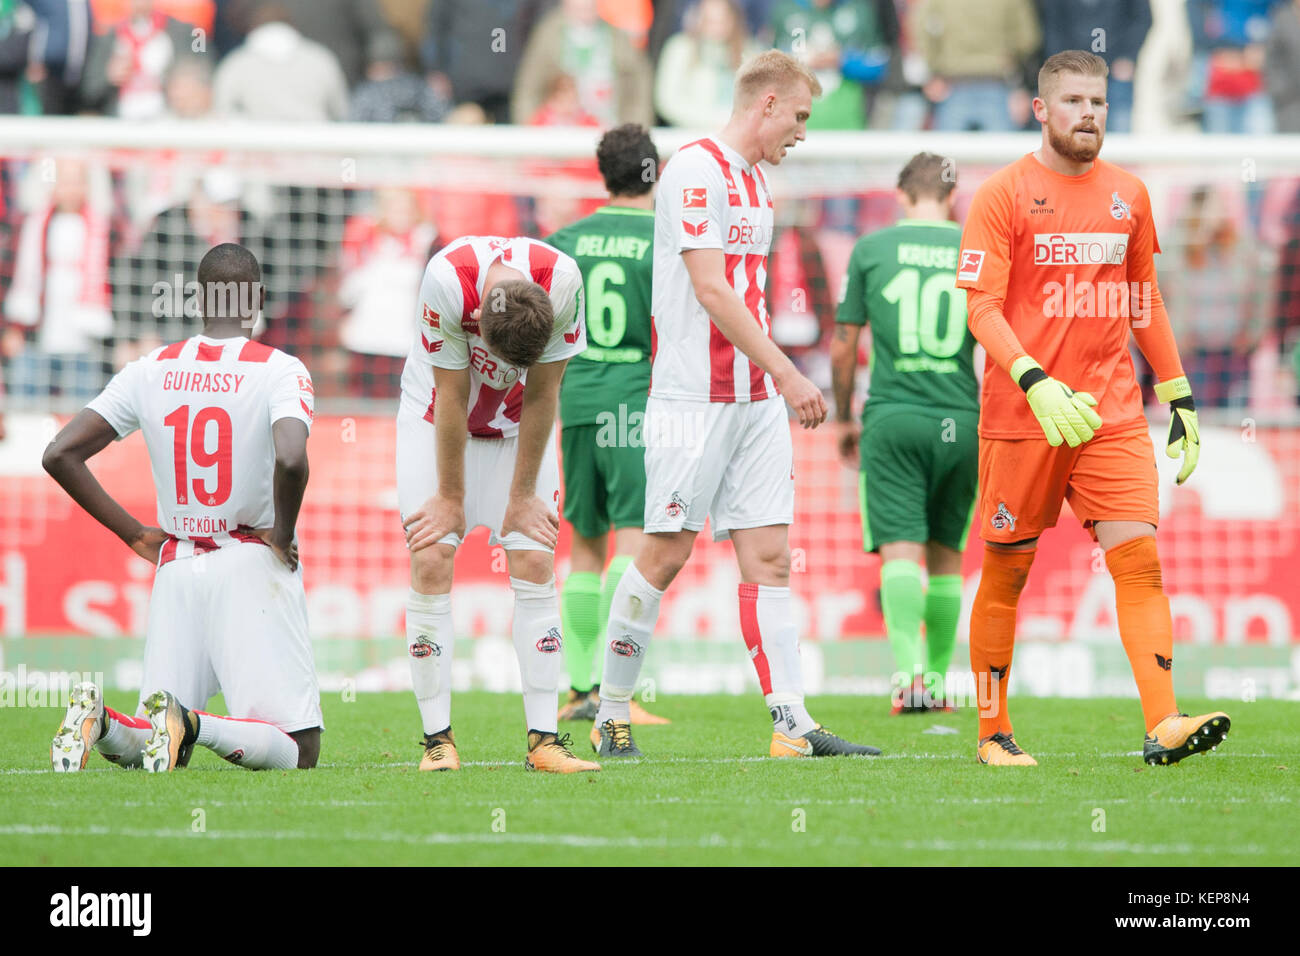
919, 447
602, 404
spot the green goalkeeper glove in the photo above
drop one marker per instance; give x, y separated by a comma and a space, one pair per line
1064, 415
1184, 432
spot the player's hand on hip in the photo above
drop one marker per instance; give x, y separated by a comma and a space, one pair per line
436, 518
805, 398
1064, 414
531, 516
286, 551
148, 543
846, 441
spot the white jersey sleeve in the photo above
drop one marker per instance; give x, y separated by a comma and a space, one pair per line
695, 194
292, 395
569, 336
119, 402
441, 334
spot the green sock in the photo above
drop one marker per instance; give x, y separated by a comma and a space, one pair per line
579, 601
903, 600
942, 609
612, 575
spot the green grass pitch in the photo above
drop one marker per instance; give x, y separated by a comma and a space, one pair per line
705, 794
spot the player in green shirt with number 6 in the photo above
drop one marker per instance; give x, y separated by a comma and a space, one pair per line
919, 458
602, 404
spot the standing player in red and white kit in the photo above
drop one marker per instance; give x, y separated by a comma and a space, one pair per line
226, 422
717, 439
499, 319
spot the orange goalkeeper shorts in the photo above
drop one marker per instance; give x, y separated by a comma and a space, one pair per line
1023, 482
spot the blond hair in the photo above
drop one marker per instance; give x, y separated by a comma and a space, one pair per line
771, 69
1079, 62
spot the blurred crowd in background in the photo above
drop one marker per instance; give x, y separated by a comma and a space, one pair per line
82, 243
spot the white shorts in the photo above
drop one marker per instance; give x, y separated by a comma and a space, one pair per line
233, 621
489, 471
732, 462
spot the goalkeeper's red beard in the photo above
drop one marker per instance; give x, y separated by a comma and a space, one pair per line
1076, 146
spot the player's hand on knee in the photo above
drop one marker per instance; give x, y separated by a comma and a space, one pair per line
805, 398
148, 543
530, 515
846, 441
437, 518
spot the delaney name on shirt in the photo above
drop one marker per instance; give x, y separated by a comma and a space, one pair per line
201, 382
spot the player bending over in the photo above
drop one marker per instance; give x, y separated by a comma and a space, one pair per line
1060, 218
602, 405
717, 440
226, 422
476, 446
919, 444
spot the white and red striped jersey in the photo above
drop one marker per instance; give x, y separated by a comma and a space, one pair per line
708, 198
448, 336
205, 407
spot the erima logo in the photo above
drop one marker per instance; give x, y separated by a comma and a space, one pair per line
424, 647
783, 714
550, 642
1166, 663
695, 229
625, 647
1003, 520
103, 909
1080, 248
1041, 208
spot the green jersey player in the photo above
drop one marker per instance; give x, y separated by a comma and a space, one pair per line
919, 458
602, 404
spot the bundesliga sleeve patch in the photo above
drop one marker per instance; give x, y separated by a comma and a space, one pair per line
972, 261
307, 397
696, 197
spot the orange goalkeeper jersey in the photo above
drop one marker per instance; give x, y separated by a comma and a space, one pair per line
1070, 259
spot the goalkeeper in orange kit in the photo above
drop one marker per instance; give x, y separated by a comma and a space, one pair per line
1056, 258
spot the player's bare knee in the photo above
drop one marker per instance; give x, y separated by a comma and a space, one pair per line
431, 569
308, 742
662, 557
537, 567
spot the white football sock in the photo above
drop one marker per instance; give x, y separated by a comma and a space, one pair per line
124, 738
254, 744
767, 623
633, 613
536, 633
430, 639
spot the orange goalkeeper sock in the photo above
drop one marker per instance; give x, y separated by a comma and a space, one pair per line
1145, 625
993, 634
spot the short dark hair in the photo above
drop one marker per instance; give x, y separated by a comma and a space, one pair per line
929, 175
1080, 62
516, 321
231, 280
628, 160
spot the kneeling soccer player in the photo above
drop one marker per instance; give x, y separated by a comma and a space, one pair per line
226, 422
